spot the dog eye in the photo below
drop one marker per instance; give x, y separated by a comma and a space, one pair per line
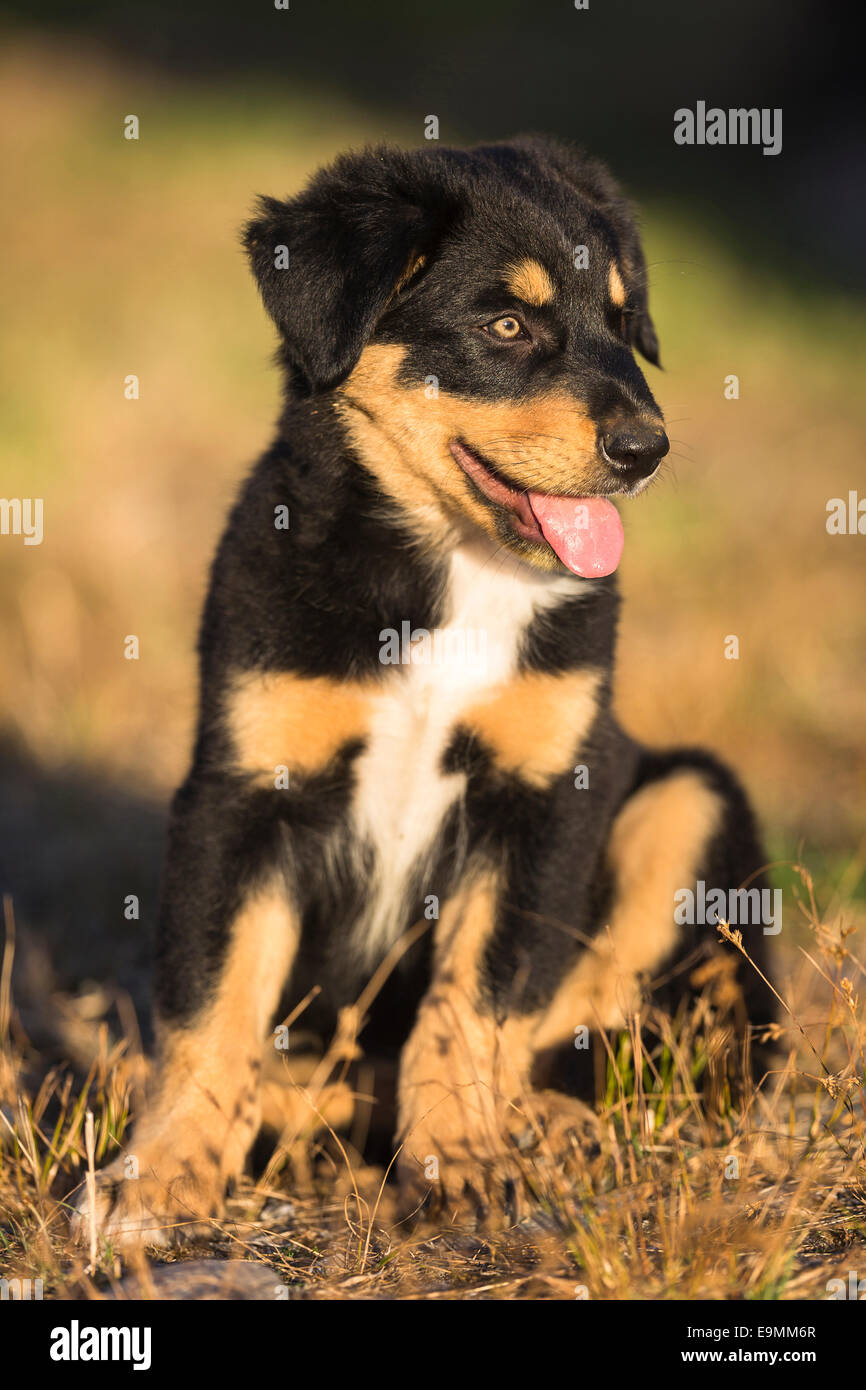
506, 329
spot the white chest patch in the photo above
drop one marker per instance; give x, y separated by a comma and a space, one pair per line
402, 796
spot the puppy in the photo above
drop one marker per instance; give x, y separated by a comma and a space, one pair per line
406, 656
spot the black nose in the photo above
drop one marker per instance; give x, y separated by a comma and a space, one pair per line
636, 450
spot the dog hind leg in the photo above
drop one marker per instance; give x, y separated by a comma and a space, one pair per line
687, 821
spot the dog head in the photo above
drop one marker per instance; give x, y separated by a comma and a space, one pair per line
474, 316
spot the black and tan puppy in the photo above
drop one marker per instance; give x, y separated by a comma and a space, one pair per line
406, 654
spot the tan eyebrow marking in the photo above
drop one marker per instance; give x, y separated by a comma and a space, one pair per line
529, 281
616, 287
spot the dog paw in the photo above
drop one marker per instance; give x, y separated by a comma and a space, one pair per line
558, 1129
497, 1178
155, 1198
484, 1187
460, 1160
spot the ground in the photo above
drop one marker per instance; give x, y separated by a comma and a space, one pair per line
696, 1192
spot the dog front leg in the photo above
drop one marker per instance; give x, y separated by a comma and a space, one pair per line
228, 937
464, 1071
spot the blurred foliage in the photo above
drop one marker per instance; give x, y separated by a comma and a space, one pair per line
609, 76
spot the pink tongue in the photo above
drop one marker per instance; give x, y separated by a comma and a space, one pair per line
585, 532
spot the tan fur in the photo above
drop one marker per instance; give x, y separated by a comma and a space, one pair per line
615, 286
295, 1112
461, 1072
402, 434
528, 280
654, 850
194, 1137
535, 724
282, 719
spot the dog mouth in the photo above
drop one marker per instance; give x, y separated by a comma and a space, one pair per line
585, 533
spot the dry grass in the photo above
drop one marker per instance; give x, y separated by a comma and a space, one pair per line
697, 1192
123, 258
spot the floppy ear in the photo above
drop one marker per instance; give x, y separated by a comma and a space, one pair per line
328, 262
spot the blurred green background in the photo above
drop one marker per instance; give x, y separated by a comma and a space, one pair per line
122, 257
